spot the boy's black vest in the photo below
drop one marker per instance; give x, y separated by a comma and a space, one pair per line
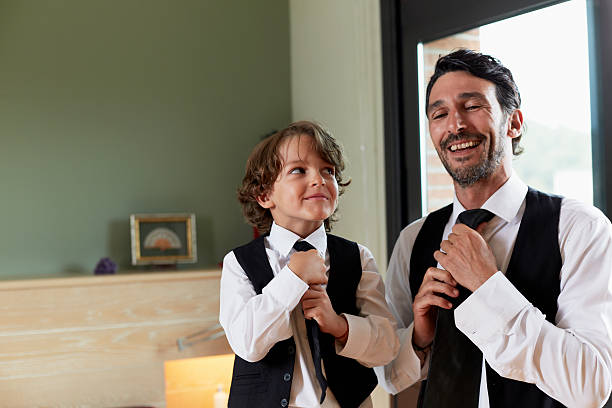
267, 383
534, 270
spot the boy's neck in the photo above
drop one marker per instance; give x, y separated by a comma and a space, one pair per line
303, 229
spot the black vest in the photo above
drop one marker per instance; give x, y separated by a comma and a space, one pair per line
534, 270
267, 383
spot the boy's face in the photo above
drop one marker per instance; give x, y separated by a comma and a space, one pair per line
305, 193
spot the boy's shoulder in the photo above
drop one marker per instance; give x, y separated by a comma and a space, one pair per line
339, 239
256, 247
253, 243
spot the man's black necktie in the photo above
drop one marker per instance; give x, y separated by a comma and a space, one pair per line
313, 331
471, 218
456, 363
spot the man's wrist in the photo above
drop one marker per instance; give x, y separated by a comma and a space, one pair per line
421, 352
416, 347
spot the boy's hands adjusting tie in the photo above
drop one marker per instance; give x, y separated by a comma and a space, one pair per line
313, 331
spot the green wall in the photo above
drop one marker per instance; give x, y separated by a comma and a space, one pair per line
109, 108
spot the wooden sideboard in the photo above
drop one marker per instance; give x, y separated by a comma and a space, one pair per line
101, 341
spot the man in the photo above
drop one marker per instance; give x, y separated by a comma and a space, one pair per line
529, 289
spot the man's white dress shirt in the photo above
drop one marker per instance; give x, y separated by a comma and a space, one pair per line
570, 361
254, 323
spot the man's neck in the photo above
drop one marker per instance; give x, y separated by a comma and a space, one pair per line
477, 194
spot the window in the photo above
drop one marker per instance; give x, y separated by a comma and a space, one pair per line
547, 52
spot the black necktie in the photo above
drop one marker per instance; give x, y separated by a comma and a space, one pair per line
456, 363
313, 331
471, 218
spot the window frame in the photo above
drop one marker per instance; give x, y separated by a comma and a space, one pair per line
406, 23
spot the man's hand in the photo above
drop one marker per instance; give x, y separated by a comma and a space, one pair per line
435, 282
467, 257
316, 305
309, 267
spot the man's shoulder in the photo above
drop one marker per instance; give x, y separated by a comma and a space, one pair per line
575, 213
409, 233
412, 229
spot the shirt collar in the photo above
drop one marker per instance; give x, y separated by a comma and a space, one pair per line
282, 240
504, 203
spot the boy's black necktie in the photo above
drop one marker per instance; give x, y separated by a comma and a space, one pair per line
313, 330
456, 363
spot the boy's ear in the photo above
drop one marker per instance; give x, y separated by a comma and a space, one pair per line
265, 201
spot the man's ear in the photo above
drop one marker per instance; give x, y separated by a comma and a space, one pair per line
515, 124
265, 201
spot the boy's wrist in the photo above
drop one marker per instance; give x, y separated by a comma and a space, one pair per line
344, 336
293, 269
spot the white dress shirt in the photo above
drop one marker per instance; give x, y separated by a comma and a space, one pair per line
254, 323
570, 361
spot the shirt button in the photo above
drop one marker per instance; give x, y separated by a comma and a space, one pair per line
284, 402
291, 349
287, 377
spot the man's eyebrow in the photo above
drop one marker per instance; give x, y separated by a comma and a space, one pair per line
463, 95
468, 95
434, 105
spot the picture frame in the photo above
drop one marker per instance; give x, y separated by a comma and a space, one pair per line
163, 239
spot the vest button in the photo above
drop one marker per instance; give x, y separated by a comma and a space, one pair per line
287, 377
284, 403
291, 350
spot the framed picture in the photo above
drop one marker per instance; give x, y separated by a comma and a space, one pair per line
163, 239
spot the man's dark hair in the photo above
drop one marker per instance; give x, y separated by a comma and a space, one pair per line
486, 67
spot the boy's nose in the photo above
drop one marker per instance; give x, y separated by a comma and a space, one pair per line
317, 179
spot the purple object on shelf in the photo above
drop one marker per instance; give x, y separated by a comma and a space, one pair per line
105, 266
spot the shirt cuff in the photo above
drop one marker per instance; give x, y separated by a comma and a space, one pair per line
358, 337
406, 369
496, 302
286, 288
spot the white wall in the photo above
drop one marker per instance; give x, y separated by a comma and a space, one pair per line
336, 79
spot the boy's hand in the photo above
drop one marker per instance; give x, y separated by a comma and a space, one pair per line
309, 267
316, 305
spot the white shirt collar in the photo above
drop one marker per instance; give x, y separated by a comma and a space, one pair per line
504, 203
282, 239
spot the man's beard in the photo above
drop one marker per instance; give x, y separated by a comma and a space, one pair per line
468, 175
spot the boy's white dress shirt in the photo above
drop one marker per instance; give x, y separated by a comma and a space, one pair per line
572, 361
254, 323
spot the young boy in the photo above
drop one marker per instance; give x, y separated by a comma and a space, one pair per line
304, 325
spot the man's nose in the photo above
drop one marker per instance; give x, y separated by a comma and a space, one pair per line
456, 123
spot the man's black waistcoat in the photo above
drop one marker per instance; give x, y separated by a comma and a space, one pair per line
267, 383
534, 270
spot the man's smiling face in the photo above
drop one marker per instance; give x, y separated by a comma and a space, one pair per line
467, 126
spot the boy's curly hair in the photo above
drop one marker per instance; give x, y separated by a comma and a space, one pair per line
265, 164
